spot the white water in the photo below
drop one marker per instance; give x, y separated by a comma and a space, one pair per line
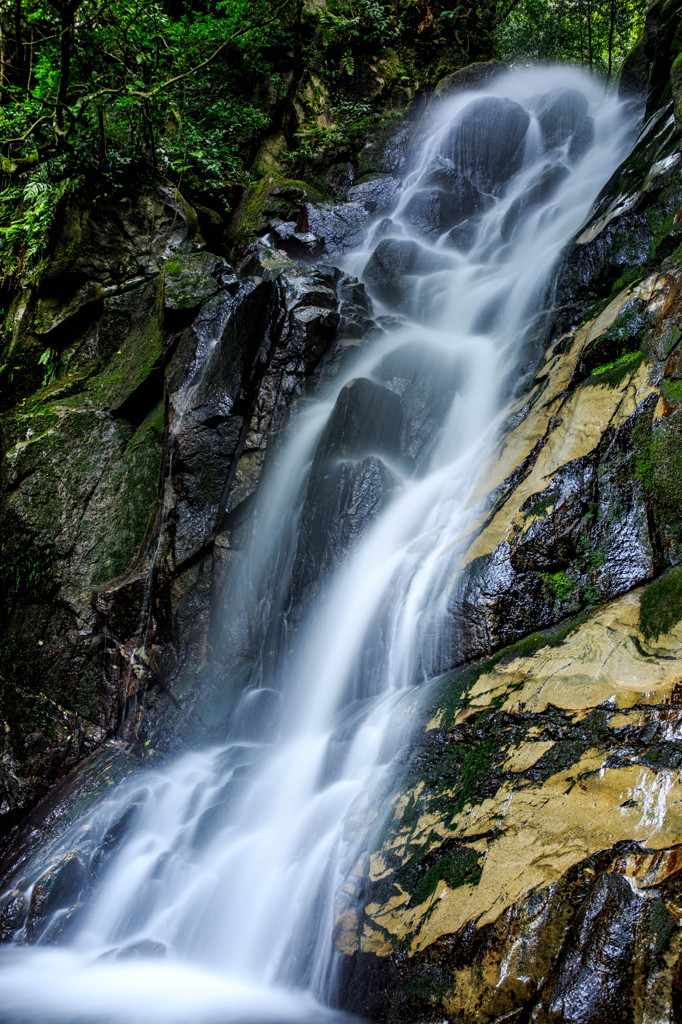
235, 854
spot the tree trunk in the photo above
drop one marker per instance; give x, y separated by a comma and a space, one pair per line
612, 27
20, 56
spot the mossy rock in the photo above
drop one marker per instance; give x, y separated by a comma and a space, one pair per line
189, 281
661, 606
658, 465
120, 384
269, 200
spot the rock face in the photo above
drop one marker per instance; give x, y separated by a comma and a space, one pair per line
529, 868
534, 848
125, 474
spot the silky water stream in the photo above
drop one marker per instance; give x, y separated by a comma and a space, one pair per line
231, 860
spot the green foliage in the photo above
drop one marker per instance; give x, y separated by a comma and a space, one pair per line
181, 90
661, 605
672, 391
594, 33
350, 123
49, 360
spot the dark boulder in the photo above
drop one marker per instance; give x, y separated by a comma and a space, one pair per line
366, 420
58, 889
392, 259
376, 194
297, 244
582, 139
474, 76
339, 226
426, 383
339, 508
432, 211
349, 483
559, 115
540, 192
487, 142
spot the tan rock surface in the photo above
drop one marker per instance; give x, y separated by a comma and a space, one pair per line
533, 829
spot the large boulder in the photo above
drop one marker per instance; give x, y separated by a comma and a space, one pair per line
487, 142
560, 113
426, 383
349, 483
446, 200
392, 259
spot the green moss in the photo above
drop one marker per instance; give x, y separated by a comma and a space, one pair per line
631, 275
140, 354
672, 391
476, 767
658, 467
539, 507
131, 492
462, 867
628, 357
559, 584
661, 605
273, 197
173, 269
618, 344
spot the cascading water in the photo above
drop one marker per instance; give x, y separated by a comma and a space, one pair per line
230, 860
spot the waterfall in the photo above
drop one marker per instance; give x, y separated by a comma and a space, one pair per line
214, 881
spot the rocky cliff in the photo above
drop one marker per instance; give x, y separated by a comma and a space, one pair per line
127, 476
530, 867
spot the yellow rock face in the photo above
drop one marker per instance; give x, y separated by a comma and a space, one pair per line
540, 823
604, 661
573, 424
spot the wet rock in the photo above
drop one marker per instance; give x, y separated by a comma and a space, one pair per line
538, 193
267, 262
13, 911
432, 211
366, 420
116, 242
339, 226
270, 201
257, 716
306, 336
633, 229
535, 761
57, 889
583, 138
486, 145
463, 236
209, 430
141, 950
376, 195
560, 113
349, 483
339, 508
426, 387
392, 259
594, 974
297, 244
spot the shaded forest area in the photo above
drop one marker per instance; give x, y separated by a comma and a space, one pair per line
99, 96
